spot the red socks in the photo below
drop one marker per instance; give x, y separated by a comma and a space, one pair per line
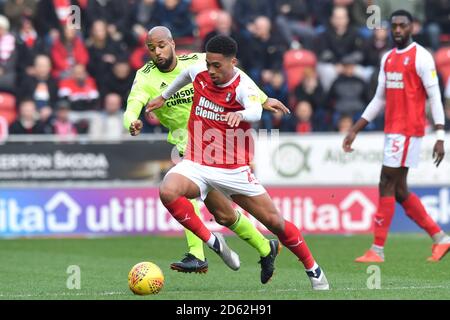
415, 210
183, 211
383, 219
292, 239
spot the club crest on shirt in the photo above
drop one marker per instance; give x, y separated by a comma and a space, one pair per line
406, 61
228, 97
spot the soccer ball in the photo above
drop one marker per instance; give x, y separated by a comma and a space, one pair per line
145, 278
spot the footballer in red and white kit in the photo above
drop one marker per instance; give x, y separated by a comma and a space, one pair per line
219, 152
407, 79
218, 156
404, 77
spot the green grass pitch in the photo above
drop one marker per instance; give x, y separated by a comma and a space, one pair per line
37, 269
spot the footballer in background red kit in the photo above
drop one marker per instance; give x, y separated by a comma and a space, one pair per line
406, 80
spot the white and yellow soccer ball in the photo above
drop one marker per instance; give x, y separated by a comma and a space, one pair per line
145, 278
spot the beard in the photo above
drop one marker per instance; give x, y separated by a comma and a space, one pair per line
166, 64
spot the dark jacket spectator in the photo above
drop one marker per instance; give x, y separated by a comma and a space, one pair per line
17, 10
27, 122
348, 94
175, 15
103, 53
41, 87
246, 11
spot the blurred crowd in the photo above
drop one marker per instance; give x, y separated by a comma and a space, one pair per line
319, 57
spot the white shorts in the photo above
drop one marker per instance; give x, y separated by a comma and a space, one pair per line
228, 181
401, 151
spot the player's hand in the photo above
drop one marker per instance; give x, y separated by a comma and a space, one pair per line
154, 104
438, 152
348, 140
136, 127
233, 119
275, 105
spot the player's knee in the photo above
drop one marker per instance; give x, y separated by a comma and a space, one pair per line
275, 223
167, 194
224, 218
401, 194
387, 183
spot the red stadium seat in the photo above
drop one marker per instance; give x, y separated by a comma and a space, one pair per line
198, 6
8, 107
295, 61
206, 22
442, 59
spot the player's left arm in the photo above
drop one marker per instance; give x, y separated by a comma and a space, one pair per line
426, 70
247, 96
269, 104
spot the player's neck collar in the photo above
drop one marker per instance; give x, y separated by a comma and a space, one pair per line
236, 74
412, 44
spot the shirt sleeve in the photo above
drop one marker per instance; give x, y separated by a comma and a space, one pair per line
139, 95
262, 96
185, 77
378, 102
437, 109
247, 94
426, 68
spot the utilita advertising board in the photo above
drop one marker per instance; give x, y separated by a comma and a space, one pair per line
138, 211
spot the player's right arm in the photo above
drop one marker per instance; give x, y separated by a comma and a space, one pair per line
372, 110
183, 79
137, 99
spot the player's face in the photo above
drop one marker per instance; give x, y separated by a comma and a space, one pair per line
220, 68
401, 30
162, 52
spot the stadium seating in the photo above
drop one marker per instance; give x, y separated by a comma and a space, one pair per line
198, 6
206, 22
294, 62
8, 107
442, 59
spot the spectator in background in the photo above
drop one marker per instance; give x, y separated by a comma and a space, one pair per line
40, 86
103, 53
8, 57
120, 79
275, 86
300, 121
108, 124
264, 50
175, 15
245, 13
27, 122
375, 46
344, 123
17, 10
52, 16
144, 12
224, 26
114, 12
61, 124
447, 105
419, 35
294, 20
415, 7
348, 94
80, 89
340, 39
67, 51
310, 89
437, 20
29, 45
